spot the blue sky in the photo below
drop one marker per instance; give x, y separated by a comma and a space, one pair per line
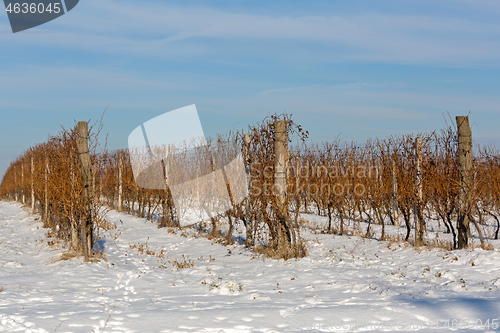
358, 69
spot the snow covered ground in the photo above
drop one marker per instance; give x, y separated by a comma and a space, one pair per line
347, 284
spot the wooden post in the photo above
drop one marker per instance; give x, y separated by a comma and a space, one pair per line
280, 163
73, 224
280, 149
94, 188
83, 151
381, 193
46, 206
419, 221
297, 178
15, 184
248, 171
395, 207
379, 174
120, 182
32, 187
464, 179
166, 219
23, 197
297, 188
172, 217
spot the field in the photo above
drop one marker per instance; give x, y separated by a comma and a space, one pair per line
346, 284
399, 234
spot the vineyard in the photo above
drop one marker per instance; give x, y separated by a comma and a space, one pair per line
410, 180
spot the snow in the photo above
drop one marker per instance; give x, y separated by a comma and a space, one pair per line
346, 284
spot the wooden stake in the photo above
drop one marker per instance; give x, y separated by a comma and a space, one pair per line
32, 187
23, 198
280, 149
75, 244
248, 171
280, 163
464, 179
419, 221
46, 213
120, 182
395, 207
15, 184
83, 151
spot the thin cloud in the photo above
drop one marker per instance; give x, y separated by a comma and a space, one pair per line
157, 29
324, 88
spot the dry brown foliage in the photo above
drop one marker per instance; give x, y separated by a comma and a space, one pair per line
48, 176
349, 183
